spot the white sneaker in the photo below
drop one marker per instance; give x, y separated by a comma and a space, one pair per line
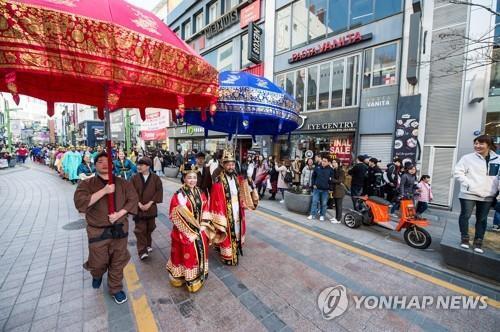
282, 201
334, 221
310, 217
321, 218
479, 250
495, 228
464, 245
150, 249
144, 256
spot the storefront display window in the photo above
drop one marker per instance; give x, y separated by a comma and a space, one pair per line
312, 87
299, 23
317, 18
289, 83
352, 76
213, 145
324, 86
335, 145
221, 58
381, 65
311, 20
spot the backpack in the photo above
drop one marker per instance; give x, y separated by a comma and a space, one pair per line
288, 178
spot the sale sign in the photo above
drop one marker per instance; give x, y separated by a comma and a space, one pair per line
341, 148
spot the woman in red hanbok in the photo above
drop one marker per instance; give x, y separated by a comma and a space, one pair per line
192, 232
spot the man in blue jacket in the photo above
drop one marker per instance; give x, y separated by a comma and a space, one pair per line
321, 179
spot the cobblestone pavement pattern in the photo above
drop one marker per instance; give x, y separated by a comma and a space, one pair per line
43, 286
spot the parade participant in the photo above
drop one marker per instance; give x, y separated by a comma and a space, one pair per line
149, 189
229, 196
107, 233
22, 153
123, 167
85, 169
204, 176
191, 233
72, 159
95, 153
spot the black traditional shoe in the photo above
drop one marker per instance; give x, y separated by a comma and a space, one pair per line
96, 283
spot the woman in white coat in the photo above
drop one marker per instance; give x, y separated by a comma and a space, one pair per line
477, 173
282, 169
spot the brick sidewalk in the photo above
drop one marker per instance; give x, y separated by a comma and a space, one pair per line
43, 286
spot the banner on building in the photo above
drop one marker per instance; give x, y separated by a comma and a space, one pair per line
154, 127
154, 135
406, 143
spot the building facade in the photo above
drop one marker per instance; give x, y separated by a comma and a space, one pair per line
219, 31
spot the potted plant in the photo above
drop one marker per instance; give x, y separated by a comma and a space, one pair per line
298, 199
171, 171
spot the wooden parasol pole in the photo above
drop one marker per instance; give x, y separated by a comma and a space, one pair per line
107, 130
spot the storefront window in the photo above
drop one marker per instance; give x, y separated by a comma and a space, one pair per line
213, 145
283, 29
299, 87
186, 30
382, 69
280, 81
332, 144
289, 83
317, 18
337, 83
361, 12
213, 12
324, 86
299, 23
221, 58
198, 22
338, 16
384, 8
230, 4
312, 87
351, 81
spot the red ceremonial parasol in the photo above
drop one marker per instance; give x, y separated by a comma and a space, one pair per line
106, 53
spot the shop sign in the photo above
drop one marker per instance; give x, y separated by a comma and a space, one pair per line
222, 24
379, 101
330, 45
254, 43
406, 129
250, 13
154, 135
341, 148
191, 130
332, 126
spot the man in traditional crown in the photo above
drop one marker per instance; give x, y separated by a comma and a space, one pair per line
230, 195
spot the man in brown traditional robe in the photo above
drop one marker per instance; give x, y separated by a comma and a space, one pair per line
204, 177
107, 232
149, 189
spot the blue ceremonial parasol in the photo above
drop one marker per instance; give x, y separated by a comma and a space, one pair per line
249, 105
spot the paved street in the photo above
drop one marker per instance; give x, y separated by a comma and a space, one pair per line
287, 262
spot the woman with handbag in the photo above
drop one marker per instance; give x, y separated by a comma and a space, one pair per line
338, 189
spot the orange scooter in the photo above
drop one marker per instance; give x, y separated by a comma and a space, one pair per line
373, 210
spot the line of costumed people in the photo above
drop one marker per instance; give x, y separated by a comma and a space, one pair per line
208, 210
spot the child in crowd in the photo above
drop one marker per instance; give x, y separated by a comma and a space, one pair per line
424, 194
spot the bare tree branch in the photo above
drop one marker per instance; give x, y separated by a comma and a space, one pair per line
472, 4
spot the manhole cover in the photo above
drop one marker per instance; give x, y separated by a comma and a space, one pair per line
74, 225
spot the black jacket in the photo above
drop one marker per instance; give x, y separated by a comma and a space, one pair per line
322, 177
392, 174
358, 173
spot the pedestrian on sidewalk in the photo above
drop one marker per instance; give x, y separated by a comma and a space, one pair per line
358, 173
157, 164
149, 189
477, 173
297, 171
261, 174
338, 189
424, 194
306, 177
392, 179
321, 180
374, 179
107, 233
285, 177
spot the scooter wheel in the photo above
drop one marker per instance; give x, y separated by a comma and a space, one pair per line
417, 237
352, 220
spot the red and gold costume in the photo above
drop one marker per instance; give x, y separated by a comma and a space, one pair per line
191, 234
229, 196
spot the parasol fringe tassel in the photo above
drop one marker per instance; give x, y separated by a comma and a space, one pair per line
181, 106
206, 132
10, 80
50, 108
213, 106
203, 115
142, 112
100, 113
